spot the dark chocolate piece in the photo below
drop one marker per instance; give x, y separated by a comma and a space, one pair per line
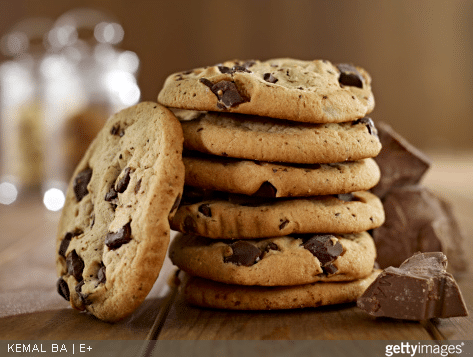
82, 297
349, 76
102, 278
66, 241
236, 68
266, 190
80, 183
322, 246
115, 240
122, 184
205, 210
75, 265
63, 289
369, 124
419, 289
417, 220
268, 77
400, 163
111, 194
226, 91
243, 253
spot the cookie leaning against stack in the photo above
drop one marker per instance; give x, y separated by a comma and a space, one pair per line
279, 161
114, 229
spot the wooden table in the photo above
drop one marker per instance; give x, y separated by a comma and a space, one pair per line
31, 309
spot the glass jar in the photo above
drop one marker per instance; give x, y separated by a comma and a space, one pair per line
22, 124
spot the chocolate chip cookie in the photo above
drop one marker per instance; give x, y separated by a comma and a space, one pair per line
238, 216
114, 230
259, 178
305, 91
289, 260
265, 139
208, 293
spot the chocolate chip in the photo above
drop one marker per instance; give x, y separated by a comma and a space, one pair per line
75, 265
189, 225
122, 184
224, 69
63, 289
236, 68
266, 190
369, 124
82, 297
102, 278
323, 248
80, 183
349, 76
330, 268
117, 131
347, 197
205, 210
226, 92
115, 240
243, 253
268, 77
111, 194
66, 241
138, 186
283, 224
271, 246
206, 82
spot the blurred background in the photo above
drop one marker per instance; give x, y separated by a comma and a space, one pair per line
65, 63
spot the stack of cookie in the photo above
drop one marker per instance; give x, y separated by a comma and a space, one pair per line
279, 161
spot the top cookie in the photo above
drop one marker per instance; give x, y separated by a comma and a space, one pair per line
306, 91
114, 230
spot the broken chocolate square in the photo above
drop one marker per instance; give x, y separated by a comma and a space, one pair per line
419, 289
400, 163
417, 221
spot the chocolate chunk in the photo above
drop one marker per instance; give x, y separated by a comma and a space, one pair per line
419, 289
349, 76
266, 190
369, 124
111, 194
138, 186
243, 253
283, 224
417, 220
66, 241
115, 240
82, 297
268, 77
400, 162
75, 265
234, 69
189, 225
271, 246
122, 184
224, 69
63, 289
347, 197
102, 278
323, 247
205, 210
117, 131
226, 92
80, 183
